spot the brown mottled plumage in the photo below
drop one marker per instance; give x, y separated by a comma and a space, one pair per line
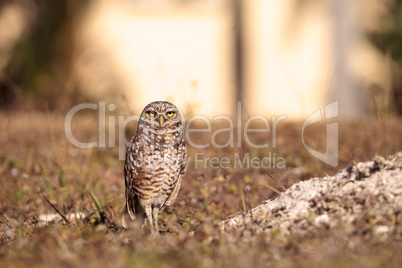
156, 161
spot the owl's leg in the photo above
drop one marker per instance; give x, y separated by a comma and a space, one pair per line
155, 216
148, 212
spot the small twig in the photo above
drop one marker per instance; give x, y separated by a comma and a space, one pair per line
272, 188
242, 200
8, 220
277, 182
58, 212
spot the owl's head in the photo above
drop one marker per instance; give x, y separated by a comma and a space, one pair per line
160, 115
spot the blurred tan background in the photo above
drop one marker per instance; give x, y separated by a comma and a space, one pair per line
288, 57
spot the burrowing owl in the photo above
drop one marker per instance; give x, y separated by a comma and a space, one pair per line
156, 160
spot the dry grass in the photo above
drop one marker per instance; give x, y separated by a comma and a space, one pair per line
35, 156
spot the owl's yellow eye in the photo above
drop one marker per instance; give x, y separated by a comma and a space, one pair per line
151, 113
170, 114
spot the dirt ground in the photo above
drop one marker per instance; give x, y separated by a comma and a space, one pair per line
224, 216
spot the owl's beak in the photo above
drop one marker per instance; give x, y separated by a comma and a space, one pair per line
161, 120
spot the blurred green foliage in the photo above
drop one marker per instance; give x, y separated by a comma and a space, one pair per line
390, 40
42, 59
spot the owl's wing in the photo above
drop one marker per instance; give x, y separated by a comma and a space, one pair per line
183, 166
172, 197
130, 172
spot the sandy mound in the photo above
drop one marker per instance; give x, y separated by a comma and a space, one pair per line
368, 193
